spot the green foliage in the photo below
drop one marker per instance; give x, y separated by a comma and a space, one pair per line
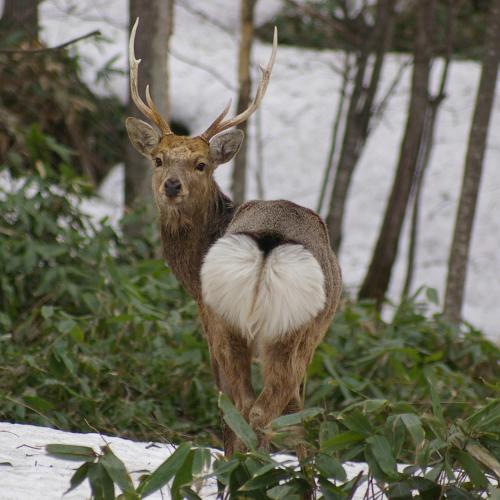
102, 470
364, 357
172, 466
237, 423
93, 327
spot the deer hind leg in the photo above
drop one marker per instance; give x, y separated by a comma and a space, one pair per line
232, 368
231, 358
284, 363
297, 432
228, 436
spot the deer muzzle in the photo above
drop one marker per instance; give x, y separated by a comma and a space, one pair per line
172, 187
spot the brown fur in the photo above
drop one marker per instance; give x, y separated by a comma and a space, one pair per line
190, 224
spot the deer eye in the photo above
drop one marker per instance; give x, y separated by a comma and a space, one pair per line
158, 162
201, 166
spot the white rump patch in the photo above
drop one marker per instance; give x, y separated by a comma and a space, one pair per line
229, 277
291, 291
262, 296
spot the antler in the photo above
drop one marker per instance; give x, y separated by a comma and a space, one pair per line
218, 125
148, 110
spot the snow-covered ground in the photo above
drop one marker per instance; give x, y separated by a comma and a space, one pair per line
27, 472
297, 116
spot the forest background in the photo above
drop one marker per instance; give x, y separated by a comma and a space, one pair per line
386, 71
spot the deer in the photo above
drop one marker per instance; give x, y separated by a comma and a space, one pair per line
264, 277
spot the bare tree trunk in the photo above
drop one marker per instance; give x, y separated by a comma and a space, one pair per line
422, 164
21, 15
428, 144
378, 276
339, 116
349, 155
238, 187
459, 254
359, 115
151, 45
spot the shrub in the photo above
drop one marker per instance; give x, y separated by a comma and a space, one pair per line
43, 102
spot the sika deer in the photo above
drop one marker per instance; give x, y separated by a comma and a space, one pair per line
263, 275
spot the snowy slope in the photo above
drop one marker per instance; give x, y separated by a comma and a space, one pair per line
33, 474
296, 119
27, 472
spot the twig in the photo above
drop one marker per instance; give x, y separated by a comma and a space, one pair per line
28, 446
380, 109
355, 485
50, 49
212, 20
204, 67
9, 432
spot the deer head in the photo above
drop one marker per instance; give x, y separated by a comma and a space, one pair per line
184, 166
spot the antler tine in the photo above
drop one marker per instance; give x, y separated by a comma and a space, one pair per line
212, 129
148, 110
218, 125
162, 124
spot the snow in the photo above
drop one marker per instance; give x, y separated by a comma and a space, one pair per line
32, 470
28, 472
109, 202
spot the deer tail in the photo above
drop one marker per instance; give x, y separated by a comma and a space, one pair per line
262, 285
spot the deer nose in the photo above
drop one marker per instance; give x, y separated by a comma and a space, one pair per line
172, 187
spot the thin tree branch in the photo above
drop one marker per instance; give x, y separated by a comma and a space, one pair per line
205, 67
50, 49
330, 65
67, 10
209, 19
380, 109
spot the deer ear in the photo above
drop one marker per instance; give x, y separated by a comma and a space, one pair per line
142, 136
224, 146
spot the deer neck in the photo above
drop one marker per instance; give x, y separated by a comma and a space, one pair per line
186, 238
